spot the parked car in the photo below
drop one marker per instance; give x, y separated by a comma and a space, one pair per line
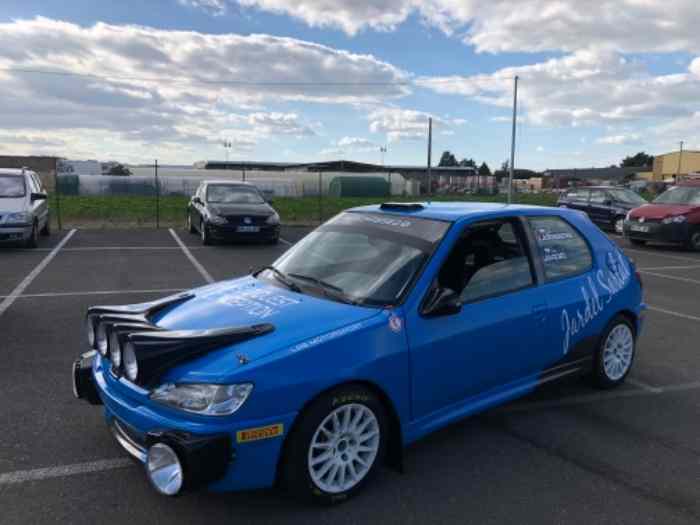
606, 206
673, 217
381, 326
224, 210
24, 209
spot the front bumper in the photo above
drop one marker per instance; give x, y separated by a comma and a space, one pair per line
15, 233
210, 449
657, 231
230, 232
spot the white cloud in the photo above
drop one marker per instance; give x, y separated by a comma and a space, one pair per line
407, 124
148, 87
214, 7
624, 138
540, 149
350, 145
583, 88
511, 25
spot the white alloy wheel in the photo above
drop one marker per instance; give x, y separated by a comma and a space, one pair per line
618, 351
344, 448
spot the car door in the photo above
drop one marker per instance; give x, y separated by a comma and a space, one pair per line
573, 296
35, 206
578, 199
599, 208
498, 334
195, 206
43, 208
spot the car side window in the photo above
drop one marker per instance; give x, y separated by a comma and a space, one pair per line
563, 251
488, 260
598, 197
578, 195
32, 184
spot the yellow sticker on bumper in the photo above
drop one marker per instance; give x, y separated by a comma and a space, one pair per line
256, 434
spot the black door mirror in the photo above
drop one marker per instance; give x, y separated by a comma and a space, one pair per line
38, 197
196, 200
270, 201
441, 301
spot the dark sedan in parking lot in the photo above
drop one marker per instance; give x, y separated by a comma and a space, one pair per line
673, 217
222, 210
606, 206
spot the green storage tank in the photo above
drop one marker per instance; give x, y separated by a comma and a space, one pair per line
358, 187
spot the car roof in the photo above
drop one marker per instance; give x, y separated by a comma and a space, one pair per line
229, 182
453, 211
597, 188
14, 171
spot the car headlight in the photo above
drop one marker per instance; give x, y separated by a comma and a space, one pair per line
678, 219
90, 331
627, 217
115, 350
273, 219
217, 219
201, 398
21, 217
101, 338
131, 366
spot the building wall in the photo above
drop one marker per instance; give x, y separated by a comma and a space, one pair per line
666, 165
45, 167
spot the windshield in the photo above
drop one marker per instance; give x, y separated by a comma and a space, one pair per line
369, 258
627, 196
12, 186
680, 195
223, 194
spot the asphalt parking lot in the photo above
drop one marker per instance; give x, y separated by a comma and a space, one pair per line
566, 454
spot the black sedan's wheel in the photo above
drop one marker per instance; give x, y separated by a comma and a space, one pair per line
615, 354
694, 240
337, 446
204, 233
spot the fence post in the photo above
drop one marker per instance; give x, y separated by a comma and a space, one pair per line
58, 198
157, 197
320, 197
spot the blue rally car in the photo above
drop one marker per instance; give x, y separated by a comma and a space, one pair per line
381, 326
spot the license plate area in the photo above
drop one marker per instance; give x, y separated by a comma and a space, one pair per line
639, 228
248, 229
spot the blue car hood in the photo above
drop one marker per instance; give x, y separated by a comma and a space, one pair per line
248, 301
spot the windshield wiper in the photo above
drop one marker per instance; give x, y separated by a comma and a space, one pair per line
281, 277
330, 290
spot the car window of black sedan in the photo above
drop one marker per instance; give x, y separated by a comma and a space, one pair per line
227, 194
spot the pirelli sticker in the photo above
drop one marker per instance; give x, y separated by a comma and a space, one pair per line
256, 434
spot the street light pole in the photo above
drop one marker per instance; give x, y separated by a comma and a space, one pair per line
512, 142
430, 152
680, 156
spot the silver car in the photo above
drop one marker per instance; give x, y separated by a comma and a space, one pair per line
24, 207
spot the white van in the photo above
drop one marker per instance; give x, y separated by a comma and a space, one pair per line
24, 207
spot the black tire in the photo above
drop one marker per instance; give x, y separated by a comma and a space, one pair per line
601, 377
204, 233
46, 230
33, 240
190, 226
295, 474
638, 242
693, 242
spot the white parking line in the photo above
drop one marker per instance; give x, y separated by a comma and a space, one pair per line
671, 277
62, 471
285, 241
7, 302
203, 272
671, 312
112, 248
643, 386
95, 292
691, 267
656, 254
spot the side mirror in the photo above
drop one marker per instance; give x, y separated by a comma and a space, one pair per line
441, 301
270, 201
38, 197
196, 200
608, 202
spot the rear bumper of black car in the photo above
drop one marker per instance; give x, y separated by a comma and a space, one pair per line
676, 233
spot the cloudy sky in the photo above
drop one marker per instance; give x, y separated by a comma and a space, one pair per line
302, 80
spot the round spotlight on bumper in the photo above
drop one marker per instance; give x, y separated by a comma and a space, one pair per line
131, 366
90, 330
164, 470
101, 338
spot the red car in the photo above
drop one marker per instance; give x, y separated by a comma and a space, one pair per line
673, 217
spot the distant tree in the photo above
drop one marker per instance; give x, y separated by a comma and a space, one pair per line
119, 169
505, 166
448, 160
640, 160
467, 163
484, 169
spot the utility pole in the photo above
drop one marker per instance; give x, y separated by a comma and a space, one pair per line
157, 195
430, 152
680, 156
512, 142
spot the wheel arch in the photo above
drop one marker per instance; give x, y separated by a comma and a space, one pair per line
394, 456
